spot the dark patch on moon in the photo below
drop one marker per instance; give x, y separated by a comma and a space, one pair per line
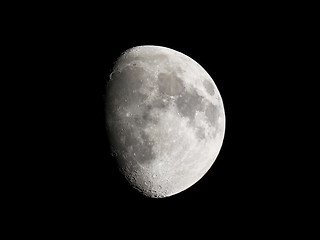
133, 138
159, 103
147, 117
145, 153
124, 87
189, 103
208, 85
200, 133
212, 113
170, 84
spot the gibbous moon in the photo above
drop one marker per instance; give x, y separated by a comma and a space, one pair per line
165, 120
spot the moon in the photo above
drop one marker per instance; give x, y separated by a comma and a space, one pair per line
165, 119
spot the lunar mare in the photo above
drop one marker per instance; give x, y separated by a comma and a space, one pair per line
164, 118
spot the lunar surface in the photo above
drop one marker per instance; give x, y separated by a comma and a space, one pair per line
165, 120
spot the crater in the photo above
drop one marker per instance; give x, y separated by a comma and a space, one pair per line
170, 84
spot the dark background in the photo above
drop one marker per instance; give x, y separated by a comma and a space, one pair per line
76, 182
